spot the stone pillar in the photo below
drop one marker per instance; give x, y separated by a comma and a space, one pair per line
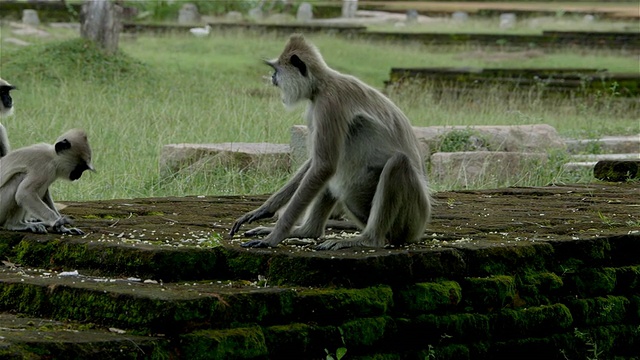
349, 8
412, 17
30, 17
305, 12
101, 22
188, 14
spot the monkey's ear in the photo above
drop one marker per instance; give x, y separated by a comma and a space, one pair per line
301, 66
62, 145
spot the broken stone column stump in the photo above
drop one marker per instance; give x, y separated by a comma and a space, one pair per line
617, 170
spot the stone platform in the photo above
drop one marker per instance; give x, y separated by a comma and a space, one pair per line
508, 273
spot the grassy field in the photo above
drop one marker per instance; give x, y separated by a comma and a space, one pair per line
175, 89
530, 25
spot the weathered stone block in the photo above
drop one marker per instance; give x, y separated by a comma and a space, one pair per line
599, 310
511, 138
605, 145
490, 292
344, 303
520, 138
591, 282
466, 168
531, 321
366, 331
427, 297
238, 343
206, 157
467, 327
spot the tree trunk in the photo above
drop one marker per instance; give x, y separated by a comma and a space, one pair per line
101, 22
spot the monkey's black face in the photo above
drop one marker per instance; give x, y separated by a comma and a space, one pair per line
76, 173
5, 97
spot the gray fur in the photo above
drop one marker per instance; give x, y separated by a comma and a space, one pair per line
25, 177
363, 154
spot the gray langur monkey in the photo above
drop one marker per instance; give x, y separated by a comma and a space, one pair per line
363, 154
25, 177
6, 109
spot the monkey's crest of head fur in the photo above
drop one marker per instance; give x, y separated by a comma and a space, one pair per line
299, 70
306, 51
6, 103
78, 146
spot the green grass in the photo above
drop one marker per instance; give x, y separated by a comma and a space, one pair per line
175, 89
527, 25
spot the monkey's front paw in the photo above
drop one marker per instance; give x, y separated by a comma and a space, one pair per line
255, 244
260, 230
249, 218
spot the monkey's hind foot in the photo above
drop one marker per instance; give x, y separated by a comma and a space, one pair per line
69, 231
256, 244
341, 244
34, 227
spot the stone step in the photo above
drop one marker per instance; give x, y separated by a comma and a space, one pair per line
178, 308
531, 262
605, 145
589, 161
184, 238
36, 338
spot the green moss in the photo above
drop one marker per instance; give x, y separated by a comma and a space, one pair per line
117, 259
378, 357
634, 307
366, 331
427, 297
544, 282
8, 240
452, 352
286, 340
599, 310
531, 321
344, 304
592, 281
245, 264
462, 140
240, 343
627, 280
457, 327
490, 292
536, 289
302, 341
500, 260
534, 348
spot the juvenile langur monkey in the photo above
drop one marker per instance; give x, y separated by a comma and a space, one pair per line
363, 154
6, 109
25, 177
